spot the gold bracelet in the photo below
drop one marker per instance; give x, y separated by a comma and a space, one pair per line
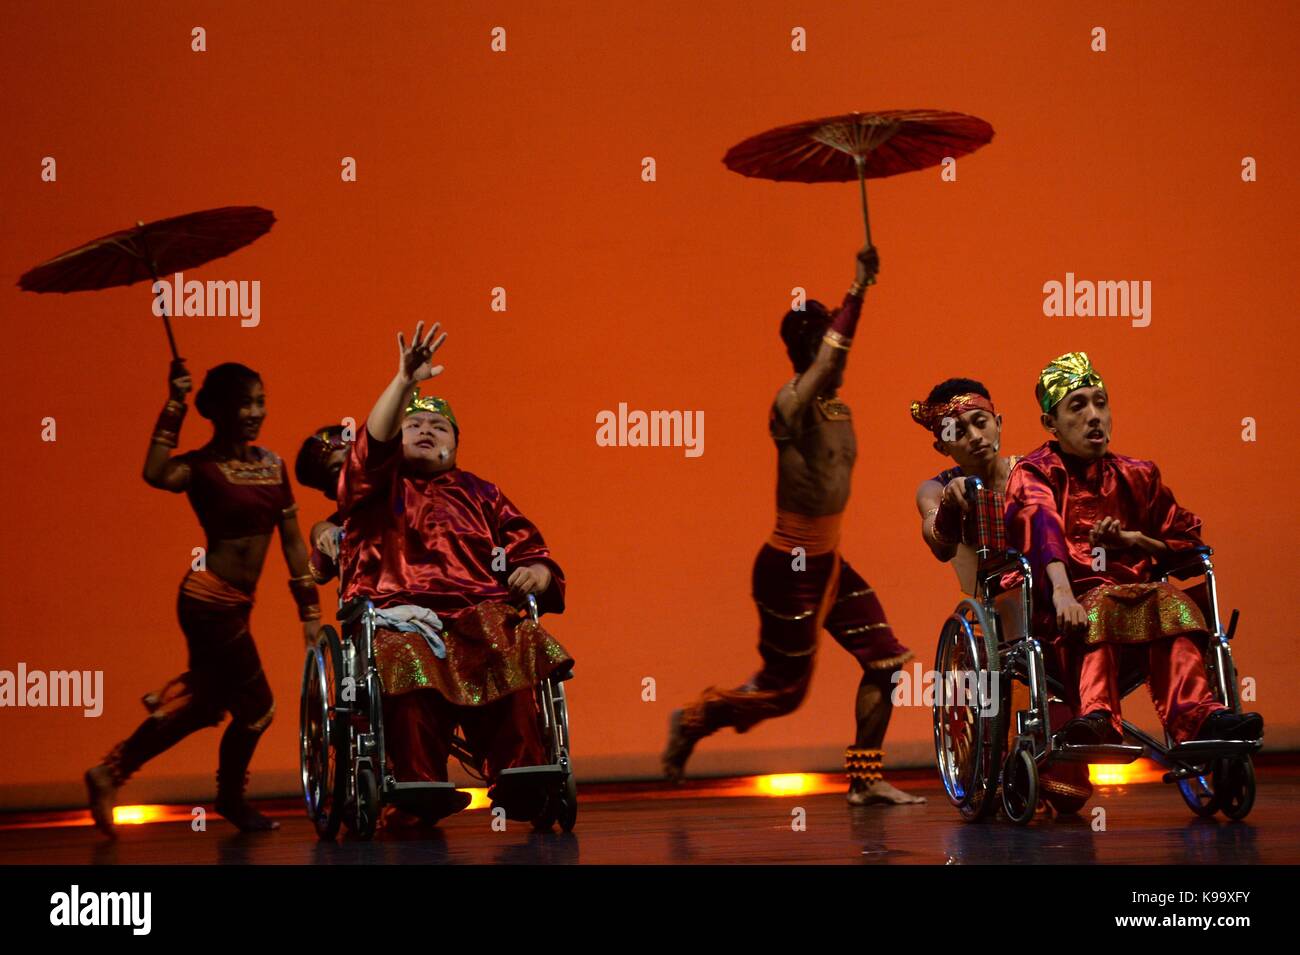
836, 340
856, 289
939, 538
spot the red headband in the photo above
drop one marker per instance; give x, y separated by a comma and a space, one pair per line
931, 416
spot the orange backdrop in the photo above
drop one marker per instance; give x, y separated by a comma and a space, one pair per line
522, 170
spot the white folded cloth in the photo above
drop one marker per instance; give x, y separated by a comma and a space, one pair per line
409, 618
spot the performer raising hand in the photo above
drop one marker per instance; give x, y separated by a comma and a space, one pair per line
240, 493
800, 584
445, 557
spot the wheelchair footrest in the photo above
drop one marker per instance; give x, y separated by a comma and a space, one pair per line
420, 798
1104, 755
529, 776
1197, 750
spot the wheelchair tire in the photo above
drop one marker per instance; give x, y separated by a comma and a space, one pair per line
1020, 786
566, 810
968, 741
366, 810
1201, 794
324, 748
1234, 785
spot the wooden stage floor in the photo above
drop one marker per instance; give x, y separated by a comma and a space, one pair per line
700, 824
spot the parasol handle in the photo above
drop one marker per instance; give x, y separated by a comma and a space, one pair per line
167, 322
153, 272
861, 162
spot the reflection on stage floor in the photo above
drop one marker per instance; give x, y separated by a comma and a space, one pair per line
718, 821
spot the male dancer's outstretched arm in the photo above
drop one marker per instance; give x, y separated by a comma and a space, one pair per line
833, 354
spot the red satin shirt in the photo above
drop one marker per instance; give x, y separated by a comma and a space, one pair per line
1054, 500
411, 539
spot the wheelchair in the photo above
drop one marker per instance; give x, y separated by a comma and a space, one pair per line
987, 644
345, 779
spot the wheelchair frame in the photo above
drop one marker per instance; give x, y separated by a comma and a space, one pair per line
990, 636
345, 779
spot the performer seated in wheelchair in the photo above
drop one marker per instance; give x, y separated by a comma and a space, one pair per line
442, 553
800, 584
959, 415
241, 495
1094, 524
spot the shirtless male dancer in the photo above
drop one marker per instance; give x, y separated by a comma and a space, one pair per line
800, 583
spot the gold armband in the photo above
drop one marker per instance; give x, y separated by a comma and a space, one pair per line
836, 340
168, 428
305, 596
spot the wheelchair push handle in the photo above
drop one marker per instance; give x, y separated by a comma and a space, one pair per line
529, 609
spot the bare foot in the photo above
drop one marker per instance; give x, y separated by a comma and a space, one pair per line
103, 796
880, 793
678, 751
245, 817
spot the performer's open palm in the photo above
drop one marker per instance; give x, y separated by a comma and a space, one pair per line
414, 361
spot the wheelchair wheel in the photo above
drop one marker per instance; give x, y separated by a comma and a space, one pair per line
1020, 786
968, 739
561, 806
366, 809
1201, 794
566, 812
324, 743
1234, 782
562, 802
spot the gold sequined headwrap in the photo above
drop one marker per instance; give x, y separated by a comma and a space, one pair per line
1062, 376
434, 405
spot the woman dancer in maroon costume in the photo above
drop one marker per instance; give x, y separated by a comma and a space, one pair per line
241, 494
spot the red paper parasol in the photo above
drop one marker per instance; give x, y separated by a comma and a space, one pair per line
146, 251
858, 146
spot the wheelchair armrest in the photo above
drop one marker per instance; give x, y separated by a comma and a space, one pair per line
1186, 564
353, 609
